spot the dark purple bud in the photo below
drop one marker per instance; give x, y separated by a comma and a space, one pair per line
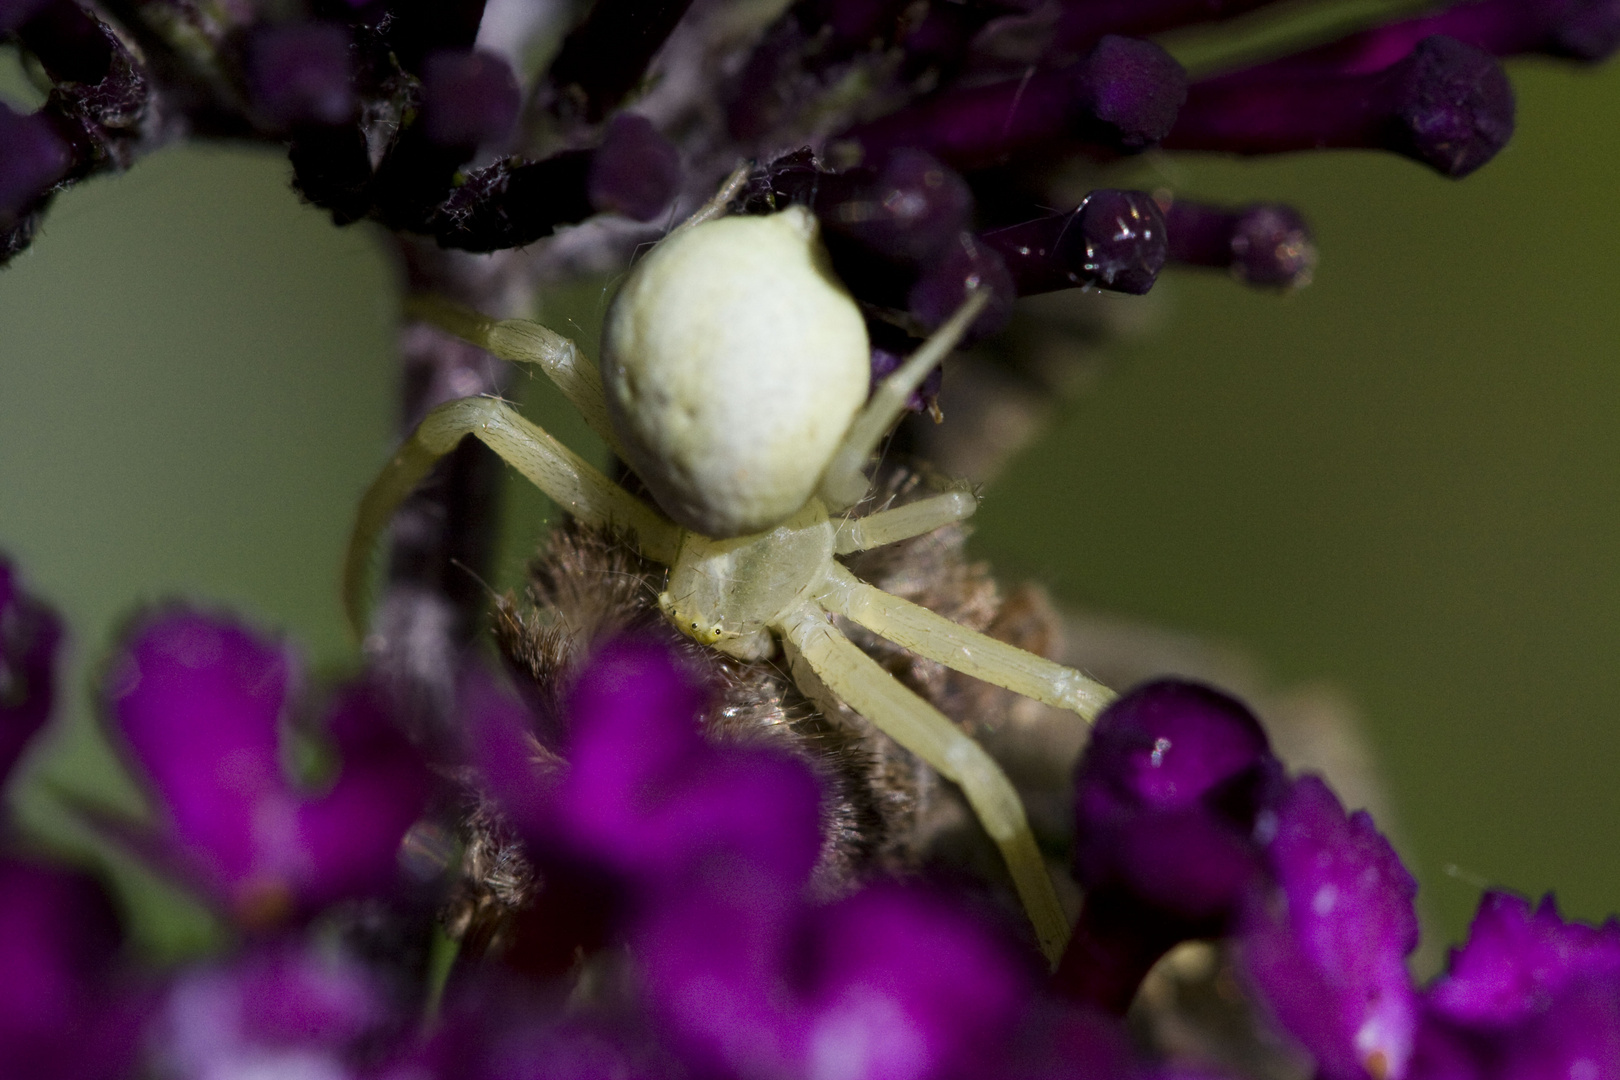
1324, 946
607, 55
1113, 240
1447, 105
301, 73
332, 169
510, 203
13, 13
468, 98
1124, 95
1265, 244
199, 704
908, 210
282, 1010
1517, 960
72, 44
33, 157
636, 171
1586, 30
1084, 22
416, 28
961, 267
30, 634
1168, 797
59, 942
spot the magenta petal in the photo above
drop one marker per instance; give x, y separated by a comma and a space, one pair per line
30, 635
1516, 960
198, 702
1325, 947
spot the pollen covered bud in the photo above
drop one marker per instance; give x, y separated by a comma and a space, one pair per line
733, 361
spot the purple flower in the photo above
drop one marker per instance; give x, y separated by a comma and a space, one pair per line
60, 1013
1517, 960
199, 703
1324, 942
1265, 244
30, 634
960, 267
1446, 104
1168, 797
282, 1010
1123, 95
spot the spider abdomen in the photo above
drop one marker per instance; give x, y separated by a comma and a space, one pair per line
733, 362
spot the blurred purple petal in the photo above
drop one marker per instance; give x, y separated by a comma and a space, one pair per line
962, 266
468, 98
636, 171
199, 703
301, 73
30, 635
1516, 960
59, 940
1325, 946
33, 157
1266, 244
285, 1010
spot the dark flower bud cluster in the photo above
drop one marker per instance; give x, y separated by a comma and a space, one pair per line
1265, 244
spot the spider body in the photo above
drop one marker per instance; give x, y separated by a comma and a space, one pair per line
769, 569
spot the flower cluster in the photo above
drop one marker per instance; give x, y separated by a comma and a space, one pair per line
675, 878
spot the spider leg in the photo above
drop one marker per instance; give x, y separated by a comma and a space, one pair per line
904, 522
562, 474
929, 634
525, 342
829, 667
844, 483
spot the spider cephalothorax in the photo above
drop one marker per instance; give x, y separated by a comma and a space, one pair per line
734, 382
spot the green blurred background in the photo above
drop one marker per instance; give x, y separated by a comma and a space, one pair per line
1401, 480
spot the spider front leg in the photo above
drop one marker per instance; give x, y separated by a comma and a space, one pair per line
930, 634
563, 475
829, 667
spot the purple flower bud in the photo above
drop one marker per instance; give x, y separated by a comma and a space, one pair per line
1516, 961
1447, 105
301, 73
468, 98
959, 268
59, 941
30, 634
72, 44
907, 210
284, 1010
1586, 30
1325, 945
605, 57
1124, 95
1081, 24
636, 171
1113, 240
510, 204
33, 157
1265, 244
1168, 796
198, 703
332, 169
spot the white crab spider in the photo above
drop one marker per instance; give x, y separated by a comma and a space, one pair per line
734, 381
